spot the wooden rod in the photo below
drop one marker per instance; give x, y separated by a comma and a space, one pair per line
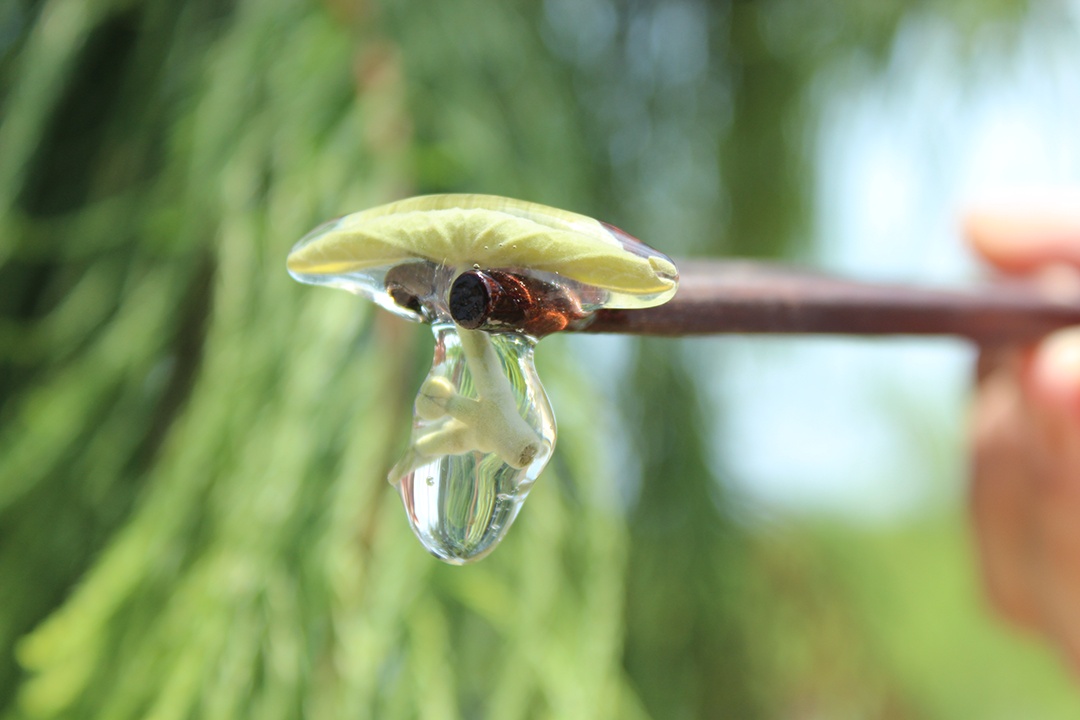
749, 297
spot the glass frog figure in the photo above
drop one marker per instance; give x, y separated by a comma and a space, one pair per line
491, 276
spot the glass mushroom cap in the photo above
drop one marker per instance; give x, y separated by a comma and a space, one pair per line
491, 275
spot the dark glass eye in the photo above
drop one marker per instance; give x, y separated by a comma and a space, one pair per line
472, 299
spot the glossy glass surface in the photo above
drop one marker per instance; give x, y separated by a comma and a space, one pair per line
491, 275
423, 243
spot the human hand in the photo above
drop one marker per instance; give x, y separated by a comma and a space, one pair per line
1025, 493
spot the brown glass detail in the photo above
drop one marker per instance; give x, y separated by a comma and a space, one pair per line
496, 300
404, 298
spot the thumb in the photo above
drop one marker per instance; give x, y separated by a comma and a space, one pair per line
1053, 374
1051, 386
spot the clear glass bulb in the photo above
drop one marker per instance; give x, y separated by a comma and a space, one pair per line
483, 430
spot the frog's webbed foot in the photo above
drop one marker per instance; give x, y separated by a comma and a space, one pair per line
452, 437
492, 421
438, 398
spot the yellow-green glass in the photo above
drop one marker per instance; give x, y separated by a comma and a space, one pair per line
598, 264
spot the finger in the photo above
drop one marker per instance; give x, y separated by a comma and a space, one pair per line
1003, 359
1002, 496
1027, 230
1052, 389
1058, 570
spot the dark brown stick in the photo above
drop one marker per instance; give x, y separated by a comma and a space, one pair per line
746, 297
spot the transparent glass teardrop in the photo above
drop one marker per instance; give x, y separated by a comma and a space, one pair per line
482, 432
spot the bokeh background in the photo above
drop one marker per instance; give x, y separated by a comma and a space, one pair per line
194, 521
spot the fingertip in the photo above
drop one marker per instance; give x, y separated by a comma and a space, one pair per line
1052, 375
997, 239
1026, 229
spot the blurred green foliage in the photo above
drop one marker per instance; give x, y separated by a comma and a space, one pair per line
194, 520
